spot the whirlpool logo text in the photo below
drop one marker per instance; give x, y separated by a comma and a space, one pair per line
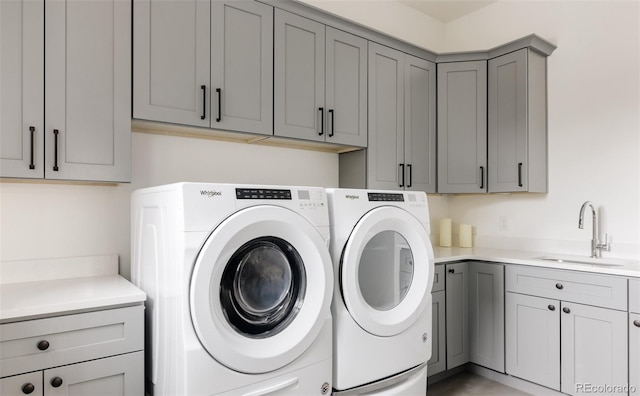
210, 193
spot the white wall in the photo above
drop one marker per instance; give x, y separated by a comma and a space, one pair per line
41, 220
594, 127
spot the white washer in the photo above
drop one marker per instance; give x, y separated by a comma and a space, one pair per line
239, 283
383, 268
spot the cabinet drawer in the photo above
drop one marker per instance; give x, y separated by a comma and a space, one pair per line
438, 278
20, 385
586, 288
634, 295
50, 342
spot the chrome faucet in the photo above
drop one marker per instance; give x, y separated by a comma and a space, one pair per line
596, 246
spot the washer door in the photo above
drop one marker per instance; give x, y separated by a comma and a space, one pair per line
386, 271
261, 289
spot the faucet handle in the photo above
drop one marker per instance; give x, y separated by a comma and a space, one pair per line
605, 245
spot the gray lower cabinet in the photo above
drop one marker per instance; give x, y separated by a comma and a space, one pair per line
517, 122
438, 361
401, 150
486, 315
320, 82
634, 334
204, 63
462, 127
66, 101
566, 330
532, 339
594, 349
93, 353
457, 309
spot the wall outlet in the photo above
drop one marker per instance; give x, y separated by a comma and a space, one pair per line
503, 223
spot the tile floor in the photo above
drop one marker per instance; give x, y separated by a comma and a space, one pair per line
467, 383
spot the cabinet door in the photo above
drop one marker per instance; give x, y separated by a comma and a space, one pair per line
533, 339
346, 88
462, 127
385, 153
594, 347
507, 132
299, 46
438, 362
22, 93
24, 384
88, 90
420, 124
242, 66
120, 375
171, 63
486, 315
457, 290
634, 351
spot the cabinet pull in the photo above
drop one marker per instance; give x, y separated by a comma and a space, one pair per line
56, 382
43, 345
566, 310
482, 177
321, 110
559, 286
401, 170
204, 101
55, 150
28, 388
451, 271
636, 323
332, 128
32, 129
551, 307
519, 174
219, 91
410, 175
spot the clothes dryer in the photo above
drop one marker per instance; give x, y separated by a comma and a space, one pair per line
383, 267
239, 282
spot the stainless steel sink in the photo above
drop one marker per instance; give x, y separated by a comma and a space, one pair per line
585, 260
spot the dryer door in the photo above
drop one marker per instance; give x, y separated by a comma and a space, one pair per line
261, 289
386, 271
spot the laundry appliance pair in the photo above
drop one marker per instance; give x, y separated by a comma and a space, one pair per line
259, 290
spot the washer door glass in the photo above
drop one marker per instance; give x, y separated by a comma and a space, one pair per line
261, 289
263, 286
386, 270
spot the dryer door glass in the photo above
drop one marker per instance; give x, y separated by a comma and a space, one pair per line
386, 270
262, 287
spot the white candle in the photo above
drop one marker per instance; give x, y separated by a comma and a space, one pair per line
445, 232
465, 236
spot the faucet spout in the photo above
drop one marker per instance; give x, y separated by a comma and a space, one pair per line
596, 246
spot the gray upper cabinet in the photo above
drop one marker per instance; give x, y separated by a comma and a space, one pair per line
462, 127
401, 151
171, 71
320, 82
85, 133
242, 66
204, 64
517, 122
22, 94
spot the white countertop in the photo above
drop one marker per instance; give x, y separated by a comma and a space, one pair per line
63, 286
629, 268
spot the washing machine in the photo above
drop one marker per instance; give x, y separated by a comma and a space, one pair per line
383, 269
239, 283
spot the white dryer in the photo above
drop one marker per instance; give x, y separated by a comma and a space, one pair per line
239, 282
383, 268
